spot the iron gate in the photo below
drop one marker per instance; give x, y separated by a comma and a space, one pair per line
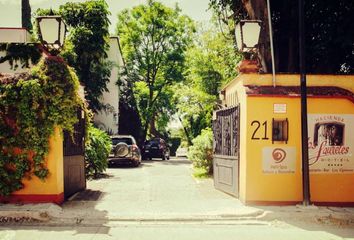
226, 150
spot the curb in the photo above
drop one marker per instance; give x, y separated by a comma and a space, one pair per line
24, 216
45, 217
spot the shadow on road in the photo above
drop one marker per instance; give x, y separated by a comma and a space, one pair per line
169, 162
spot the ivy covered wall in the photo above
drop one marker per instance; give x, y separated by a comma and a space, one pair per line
31, 106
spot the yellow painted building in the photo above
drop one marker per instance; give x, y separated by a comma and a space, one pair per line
51, 189
270, 169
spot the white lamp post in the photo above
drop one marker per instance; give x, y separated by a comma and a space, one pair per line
247, 35
52, 30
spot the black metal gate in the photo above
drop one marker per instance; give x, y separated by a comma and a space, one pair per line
74, 162
226, 150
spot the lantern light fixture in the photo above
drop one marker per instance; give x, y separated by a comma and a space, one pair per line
247, 35
52, 30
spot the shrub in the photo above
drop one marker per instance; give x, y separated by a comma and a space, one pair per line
97, 150
201, 153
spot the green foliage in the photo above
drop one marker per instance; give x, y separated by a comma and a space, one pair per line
212, 61
211, 64
200, 173
154, 39
31, 106
194, 109
97, 149
86, 46
16, 53
329, 36
201, 153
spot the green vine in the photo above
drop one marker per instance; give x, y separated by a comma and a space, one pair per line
16, 53
31, 106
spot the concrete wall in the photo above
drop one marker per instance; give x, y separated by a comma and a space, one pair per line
108, 120
13, 35
5, 67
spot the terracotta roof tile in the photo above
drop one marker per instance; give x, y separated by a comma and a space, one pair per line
252, 90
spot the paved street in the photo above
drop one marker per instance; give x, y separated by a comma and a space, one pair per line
161, 200
156, 189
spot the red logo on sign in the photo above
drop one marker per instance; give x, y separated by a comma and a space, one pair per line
278, 155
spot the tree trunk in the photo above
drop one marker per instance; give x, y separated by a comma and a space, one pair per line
189, 140
26, 15
153, 130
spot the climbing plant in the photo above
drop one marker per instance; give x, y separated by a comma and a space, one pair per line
19, 55
31, 106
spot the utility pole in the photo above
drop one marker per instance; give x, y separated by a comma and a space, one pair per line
304, 132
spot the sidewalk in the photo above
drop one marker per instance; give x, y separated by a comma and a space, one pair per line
82, 214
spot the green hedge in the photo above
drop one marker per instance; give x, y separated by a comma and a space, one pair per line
201, 153
97, 150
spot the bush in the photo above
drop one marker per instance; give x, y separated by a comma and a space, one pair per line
201, 153
97, 150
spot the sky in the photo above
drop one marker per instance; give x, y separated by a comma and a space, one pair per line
10, 10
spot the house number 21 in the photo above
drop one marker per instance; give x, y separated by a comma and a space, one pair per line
260, 130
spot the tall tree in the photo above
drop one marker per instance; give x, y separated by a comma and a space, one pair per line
154, 39
329, 35
211, 64
87, 46
26, 14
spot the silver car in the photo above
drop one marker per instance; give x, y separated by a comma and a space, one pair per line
124, 151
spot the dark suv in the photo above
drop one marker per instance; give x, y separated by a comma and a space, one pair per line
156, 148
124, 151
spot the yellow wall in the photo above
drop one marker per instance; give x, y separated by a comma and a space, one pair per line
285, 187
54, 183
332, 187
254, 184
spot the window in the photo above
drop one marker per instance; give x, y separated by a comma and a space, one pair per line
280, 130
126, 140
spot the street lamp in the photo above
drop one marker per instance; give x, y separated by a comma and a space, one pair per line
247, 35
52, 30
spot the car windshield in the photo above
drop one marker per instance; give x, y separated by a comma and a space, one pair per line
153, 142
126, 140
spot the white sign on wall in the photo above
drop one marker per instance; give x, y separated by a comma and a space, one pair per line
279, 108
278, 160
331, 143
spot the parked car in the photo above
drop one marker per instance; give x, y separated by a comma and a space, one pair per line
124, 151
182, 152
156, 148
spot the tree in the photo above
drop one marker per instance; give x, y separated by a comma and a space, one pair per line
26, 14
329, 35
87, 44
211, 64
154, 39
